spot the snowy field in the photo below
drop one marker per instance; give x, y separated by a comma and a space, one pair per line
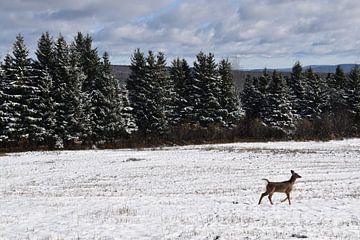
194, 192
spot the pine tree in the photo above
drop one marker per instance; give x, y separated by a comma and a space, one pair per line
44, 67
314, 97
180, 75
22, 104
110, 124
228, 98
337, 97
297, 88
252, 99
154, 76
89, 64
66, 88
278, 112
206, 75
352, 91
136, 86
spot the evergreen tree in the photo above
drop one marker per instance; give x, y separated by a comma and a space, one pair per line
21, 94
278, 112
314, 97
180, 75
206, 75
297, 88
337, 96
44, 68
155, 76
352, 91
228, 98
66, 93
110, 125
252, 99
89, 64
138, 91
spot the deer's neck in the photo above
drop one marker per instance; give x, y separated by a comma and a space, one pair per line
292, 180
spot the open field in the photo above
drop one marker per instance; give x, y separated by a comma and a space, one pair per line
194, 192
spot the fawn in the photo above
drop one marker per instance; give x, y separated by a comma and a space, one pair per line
284, 187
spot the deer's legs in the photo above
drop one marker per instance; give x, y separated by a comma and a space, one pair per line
284, 199
288, 197
270, 195
263, 195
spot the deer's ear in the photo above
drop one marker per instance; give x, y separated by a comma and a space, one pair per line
292, 172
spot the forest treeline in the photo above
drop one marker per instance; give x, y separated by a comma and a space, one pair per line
68, 98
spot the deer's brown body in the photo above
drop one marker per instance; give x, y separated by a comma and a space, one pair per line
283, 187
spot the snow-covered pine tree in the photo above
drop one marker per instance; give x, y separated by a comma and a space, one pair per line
44, 67
89, 63
66, 94
163, 92
206, 75
22, 103
228, 98
278, 113
136, 86
314, 97
154, 76
352, 92
180, 75
337, 96
263, 82
109, 108
251, 99
297, 88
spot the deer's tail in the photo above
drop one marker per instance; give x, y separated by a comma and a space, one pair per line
265, 180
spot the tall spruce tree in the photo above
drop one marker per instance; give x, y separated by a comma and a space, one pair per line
138, 91
66, 94
315, 99
278, 112
180, 75
110, 125
155, 75
228, 98
352, 91
297, 88
22, 102
251, 99
337, 95
89, 64
44, 67
206, 75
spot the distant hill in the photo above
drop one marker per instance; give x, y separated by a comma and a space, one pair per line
121, 72
316, 68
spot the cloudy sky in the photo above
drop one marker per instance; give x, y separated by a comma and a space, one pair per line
251, 33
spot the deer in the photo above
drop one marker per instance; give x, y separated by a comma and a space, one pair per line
283, 187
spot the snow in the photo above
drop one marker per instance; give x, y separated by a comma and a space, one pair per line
192, 192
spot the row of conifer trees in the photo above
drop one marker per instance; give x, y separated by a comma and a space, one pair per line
68, 95
305, 103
